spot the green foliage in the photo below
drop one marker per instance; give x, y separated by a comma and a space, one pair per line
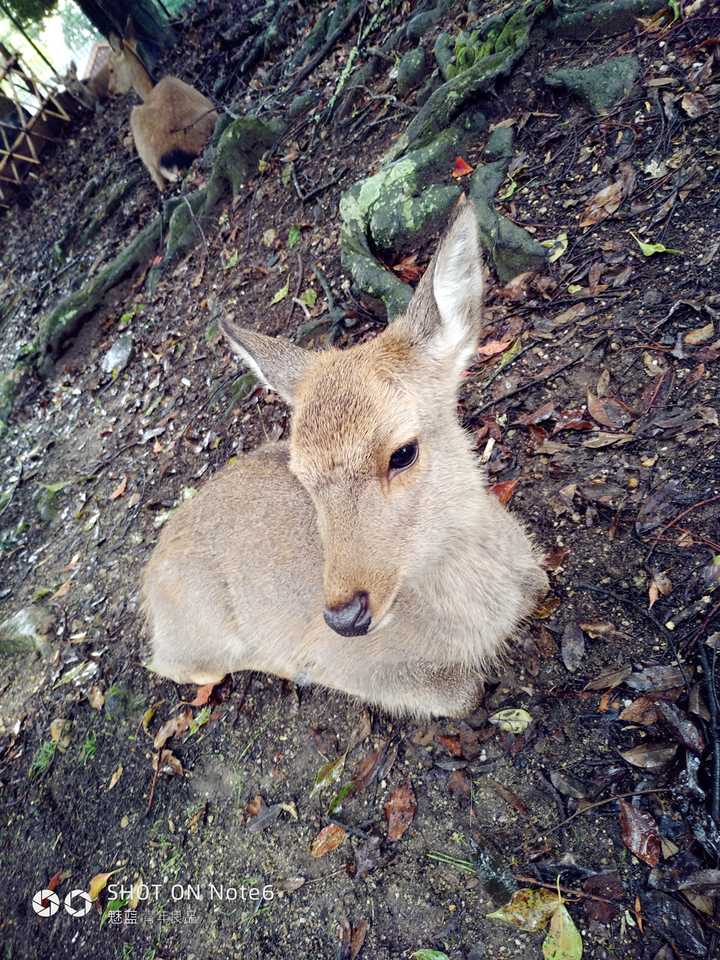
43, 759
28, 12
78, 32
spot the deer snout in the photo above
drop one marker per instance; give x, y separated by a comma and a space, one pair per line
352, 618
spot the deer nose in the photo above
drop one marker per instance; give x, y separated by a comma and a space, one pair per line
351, 619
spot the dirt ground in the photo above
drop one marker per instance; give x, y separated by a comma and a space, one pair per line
594, 403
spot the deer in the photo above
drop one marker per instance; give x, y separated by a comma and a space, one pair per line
366, 553
174, 122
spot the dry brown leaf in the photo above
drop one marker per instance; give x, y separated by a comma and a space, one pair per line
660, 586
120, 489
641, 711
62, 591
99, 882
492, 348
117, 773
96, 698
504, 490
203, 695
603, 204
400, 810
329, 839
174, 727
640, 833
166, 762
650, 756
695, 105
357, 940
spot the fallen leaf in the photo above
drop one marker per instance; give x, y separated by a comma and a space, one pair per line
281, 294
400, 810
656, 678
96, 698
514, 720
451, 744
120, 489
117, 773
429, 955
357, 939
529, 910
609, 679
408, 269
99, 882
649, 249
641, 711
60, 730
695, 105
607, 412
203, 695
166, 762
557, 246
329, 839
62, 591
684, 730
700, 335
660, 586
504, 490
608, 886
563, 941
328, 773
174, 727
459, 784
493, 347
461, 168
640, 833
603, 204
572, 647
650, 756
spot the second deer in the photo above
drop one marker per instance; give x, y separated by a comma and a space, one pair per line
367, 554
175, 121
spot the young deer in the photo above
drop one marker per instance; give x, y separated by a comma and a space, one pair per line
366, 554
174, 122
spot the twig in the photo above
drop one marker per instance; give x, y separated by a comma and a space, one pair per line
151, 795
714, 722
325, 49
602, 803
197, 224
297, 288
569, 890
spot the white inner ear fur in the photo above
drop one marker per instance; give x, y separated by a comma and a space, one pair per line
458, 287
249, 360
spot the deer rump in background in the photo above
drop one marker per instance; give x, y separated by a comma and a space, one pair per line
175, 121
366, 554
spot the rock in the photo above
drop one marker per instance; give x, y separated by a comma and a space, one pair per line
185, 220
118, 356
444, 51
601, 86
303, 103
581, 18
486, 180
511, 248
240, 147
26, 631
419, 25
500, 143
401, 220
411, 70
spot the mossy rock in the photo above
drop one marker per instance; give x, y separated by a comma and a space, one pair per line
26, 632
238, 151
580, 19
400, 221
512, 249
412, 69
601, 86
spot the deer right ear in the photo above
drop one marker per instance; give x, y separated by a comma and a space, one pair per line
115, 42
276, 362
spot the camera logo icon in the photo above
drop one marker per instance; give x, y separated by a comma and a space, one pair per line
46, 903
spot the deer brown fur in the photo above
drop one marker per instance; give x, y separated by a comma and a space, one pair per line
374, 521
175, 121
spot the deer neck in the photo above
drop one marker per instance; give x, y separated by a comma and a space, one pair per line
141, 79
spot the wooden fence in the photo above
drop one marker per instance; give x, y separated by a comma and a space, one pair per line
32, 116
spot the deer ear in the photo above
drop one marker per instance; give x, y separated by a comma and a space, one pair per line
115, 42
130, 35
444, 316
276, 362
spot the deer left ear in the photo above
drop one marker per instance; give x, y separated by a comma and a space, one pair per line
130, 35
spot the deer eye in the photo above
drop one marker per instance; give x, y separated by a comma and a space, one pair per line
404, 457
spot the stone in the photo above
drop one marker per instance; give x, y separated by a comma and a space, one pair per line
118, 356
584, 18
303, 103
444, 51
512, 249
500, 142
26, 632
601, 86
411, 70
486, 180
